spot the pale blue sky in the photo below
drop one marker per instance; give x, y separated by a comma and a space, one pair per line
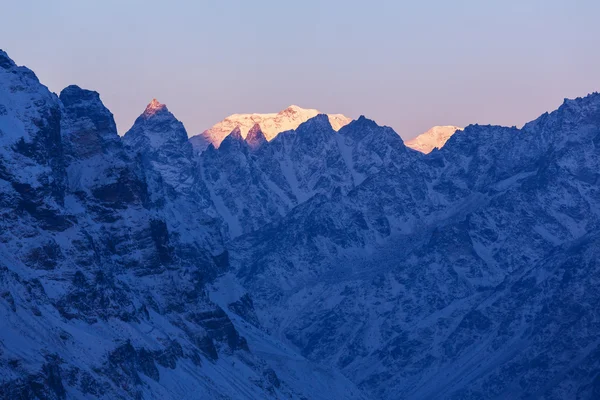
410, 65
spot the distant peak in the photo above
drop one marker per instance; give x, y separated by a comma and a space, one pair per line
154, 107
434, 138
155, 104
255, 129
271, 124
293, 109
236, 133
233, 141
255, 137
159, 126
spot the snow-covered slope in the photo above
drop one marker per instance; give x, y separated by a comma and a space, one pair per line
270, 124
466, 273
434, 138
323, 263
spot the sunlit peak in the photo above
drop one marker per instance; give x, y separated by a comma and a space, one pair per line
154, 107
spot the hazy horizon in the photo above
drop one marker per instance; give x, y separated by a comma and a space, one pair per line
399, 64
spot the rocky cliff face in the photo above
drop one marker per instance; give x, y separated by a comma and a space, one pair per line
320, 263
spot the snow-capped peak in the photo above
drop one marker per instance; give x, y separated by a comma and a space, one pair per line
157, 130
434, 138
294, 109
154, 107
270, 124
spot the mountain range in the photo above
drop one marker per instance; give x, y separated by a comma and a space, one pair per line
326, 261
271, 125
290, 118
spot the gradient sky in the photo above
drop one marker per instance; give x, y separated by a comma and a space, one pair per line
406, 64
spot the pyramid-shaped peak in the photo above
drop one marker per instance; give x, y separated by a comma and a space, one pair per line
157, 125
236, 133
154, 107
254, 130
155, 104
234, 141
255, 137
